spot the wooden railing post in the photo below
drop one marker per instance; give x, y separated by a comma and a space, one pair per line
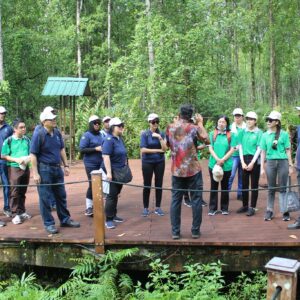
282, 275
98, 209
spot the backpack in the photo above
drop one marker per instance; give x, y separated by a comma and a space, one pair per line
228, 135
9, 139
42, 136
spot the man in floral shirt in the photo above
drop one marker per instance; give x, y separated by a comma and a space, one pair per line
182, 139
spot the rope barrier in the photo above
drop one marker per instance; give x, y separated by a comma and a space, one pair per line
153, 187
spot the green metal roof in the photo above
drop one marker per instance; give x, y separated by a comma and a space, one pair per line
66, 86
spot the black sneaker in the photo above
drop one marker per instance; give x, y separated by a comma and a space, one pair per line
242, 210
175, 236
187, 203
225, 212
286, 217
89, 212
118, 219
203, 203
7, 212
196, 235
2, 224
70, 223
250, 212
268, 215
212, 212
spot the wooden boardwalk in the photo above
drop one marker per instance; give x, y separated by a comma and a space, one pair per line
234, 230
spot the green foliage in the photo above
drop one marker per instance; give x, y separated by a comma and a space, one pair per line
99, 276
197, 282
247, 287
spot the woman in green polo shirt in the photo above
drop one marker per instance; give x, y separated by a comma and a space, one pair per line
275, 145
248, 140
222, 145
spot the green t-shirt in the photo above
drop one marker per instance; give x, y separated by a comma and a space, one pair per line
221, 147
283, 144
249, 140
238, 130
17, 148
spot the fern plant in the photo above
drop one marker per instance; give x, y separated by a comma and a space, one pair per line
94, 276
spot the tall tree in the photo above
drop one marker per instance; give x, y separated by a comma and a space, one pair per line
109, 50
1, 46
273, 75
79, 58
150, 51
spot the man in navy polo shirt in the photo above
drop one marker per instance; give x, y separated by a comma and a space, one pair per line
47, 152
5, 132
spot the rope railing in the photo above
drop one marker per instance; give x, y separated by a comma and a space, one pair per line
153, 187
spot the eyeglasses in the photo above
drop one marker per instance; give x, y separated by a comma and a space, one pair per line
4, 113
106, 121
96, 123
250, 119
270, 120
238, 116
120, 125
155, 121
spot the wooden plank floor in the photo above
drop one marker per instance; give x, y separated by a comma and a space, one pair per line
231, 230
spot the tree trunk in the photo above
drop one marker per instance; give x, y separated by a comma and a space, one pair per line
109, 50
78, 11
150, 53
273, 77
252, 65
1, 46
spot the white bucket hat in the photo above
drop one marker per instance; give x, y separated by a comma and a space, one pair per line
275, 115
115, 121
47, 116
93, 118
217, 173
251, 115
238, 111
2, 110
152, 117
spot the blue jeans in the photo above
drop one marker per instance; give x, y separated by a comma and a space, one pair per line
4, 179
236, 166
193, 182
52, 174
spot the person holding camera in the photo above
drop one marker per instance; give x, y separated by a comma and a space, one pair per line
276, 150
186, 168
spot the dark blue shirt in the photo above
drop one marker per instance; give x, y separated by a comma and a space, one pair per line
147, 141
91, 159
115, 148
47, 147
5, 132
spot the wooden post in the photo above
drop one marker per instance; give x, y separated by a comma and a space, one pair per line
282, 274
98, 212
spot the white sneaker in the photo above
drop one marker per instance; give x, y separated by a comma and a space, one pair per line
17, 220
25, 216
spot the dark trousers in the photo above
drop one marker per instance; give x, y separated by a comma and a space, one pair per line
148, 169
193, 183
214, 185
254, 176
18, 176
112, 201
52, 175
88, 171
4, 180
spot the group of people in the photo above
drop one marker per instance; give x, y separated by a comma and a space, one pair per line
240, 147
45, 153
